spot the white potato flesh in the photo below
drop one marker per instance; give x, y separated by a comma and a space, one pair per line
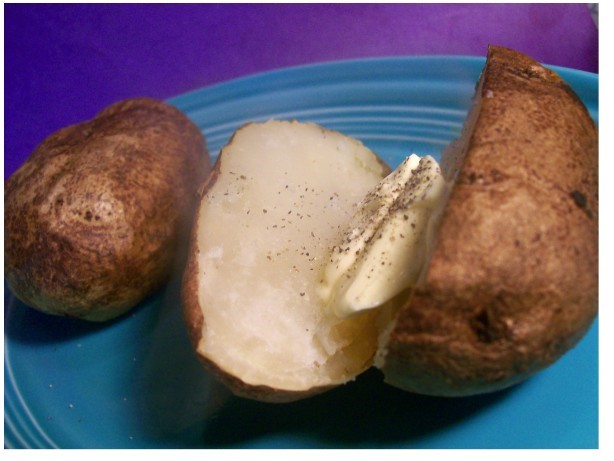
284, 193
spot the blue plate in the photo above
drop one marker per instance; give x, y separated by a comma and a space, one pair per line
136, 383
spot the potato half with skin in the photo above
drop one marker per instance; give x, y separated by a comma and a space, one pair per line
94, 216
274, 203
512, 282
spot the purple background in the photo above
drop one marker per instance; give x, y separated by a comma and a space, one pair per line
63, 63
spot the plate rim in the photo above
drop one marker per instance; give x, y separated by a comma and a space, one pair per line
469, 60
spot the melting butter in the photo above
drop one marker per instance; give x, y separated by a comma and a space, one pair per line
384, 249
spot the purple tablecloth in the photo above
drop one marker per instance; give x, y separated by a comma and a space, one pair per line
63, 63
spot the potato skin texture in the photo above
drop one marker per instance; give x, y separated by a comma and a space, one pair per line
513, 280
94, 216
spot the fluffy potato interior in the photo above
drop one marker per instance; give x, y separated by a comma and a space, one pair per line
282, 193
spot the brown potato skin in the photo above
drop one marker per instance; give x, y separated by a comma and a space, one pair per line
513, 280
93, 218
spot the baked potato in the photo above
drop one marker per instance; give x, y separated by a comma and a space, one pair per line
308, 265
94, 216
512, 282
271, 208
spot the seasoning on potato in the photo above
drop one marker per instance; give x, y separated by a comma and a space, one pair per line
273, 205
307, 267
94, 217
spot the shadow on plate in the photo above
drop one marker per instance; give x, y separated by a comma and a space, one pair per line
366, 413
27, 325
178, 405
184, 407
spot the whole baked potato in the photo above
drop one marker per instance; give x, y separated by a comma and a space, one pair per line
94, 216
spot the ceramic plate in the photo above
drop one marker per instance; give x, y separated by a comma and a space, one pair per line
135, 382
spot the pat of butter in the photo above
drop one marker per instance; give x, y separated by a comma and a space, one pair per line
384, 250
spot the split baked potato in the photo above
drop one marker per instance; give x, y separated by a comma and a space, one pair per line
273, 205
508, 262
